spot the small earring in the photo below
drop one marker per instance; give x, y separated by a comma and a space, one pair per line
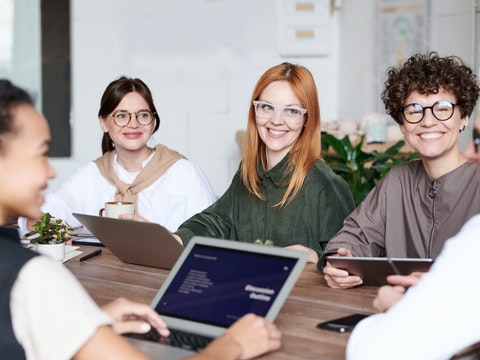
463, 128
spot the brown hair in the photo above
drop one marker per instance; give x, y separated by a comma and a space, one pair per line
114, 94
427, 74
305, 152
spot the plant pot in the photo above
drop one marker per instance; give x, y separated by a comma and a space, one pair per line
53, 251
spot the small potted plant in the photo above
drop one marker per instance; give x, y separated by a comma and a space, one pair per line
52, 234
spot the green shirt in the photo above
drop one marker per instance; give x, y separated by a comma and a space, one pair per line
311, 219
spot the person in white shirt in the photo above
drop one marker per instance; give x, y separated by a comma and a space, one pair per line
165, 187
436, 317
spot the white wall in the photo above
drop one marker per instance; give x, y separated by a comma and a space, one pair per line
202, 58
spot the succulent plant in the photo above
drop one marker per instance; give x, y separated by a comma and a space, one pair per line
51, 230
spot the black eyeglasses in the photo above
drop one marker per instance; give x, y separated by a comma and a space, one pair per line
442, 110
121, 118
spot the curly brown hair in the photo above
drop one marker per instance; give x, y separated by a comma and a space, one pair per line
427, 74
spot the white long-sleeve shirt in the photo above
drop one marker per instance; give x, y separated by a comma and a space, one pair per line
435, 319
182, 191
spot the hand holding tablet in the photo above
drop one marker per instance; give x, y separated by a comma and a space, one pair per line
374, 270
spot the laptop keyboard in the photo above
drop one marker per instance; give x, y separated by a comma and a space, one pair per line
177, 338
188, 340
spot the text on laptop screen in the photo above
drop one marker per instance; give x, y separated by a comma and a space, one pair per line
217, 286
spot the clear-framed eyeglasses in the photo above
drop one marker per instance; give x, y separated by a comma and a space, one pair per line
442, 110
290, 114
121, 118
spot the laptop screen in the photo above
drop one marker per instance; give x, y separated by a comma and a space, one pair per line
217, 285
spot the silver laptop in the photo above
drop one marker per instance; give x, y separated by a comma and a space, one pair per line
215, 282
134, 242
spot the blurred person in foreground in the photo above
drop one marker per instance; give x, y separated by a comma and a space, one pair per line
45, 312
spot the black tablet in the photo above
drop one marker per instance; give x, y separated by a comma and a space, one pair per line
374, 270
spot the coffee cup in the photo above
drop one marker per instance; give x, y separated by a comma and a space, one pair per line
114, 208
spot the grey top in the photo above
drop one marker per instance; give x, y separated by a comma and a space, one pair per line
409, 214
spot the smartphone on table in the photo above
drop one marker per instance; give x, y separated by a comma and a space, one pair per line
343, 324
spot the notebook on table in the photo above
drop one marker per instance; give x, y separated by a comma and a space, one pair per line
134, 242
83, 236
215, 282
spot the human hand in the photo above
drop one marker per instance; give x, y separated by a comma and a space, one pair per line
312, 254
254, 335
178, 238
388, 295
405, 281
133, 317
338, 278
133, 217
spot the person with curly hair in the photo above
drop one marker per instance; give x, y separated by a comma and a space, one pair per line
419, 204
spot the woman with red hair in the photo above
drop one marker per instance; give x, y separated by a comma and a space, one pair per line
283, 191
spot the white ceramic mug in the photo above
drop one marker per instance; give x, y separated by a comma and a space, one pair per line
114, 208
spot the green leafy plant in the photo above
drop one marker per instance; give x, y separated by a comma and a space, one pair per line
360, 169
51, 230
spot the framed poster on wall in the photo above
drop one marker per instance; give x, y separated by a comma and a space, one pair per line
402, 31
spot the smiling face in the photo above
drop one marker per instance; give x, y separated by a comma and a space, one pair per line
278, 136
431, 138
24, 164
132, 137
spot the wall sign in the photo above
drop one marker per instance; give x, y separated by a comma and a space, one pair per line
304, 27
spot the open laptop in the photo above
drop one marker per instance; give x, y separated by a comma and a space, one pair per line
134, 242
215, 282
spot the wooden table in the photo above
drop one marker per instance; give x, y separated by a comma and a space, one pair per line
311, 301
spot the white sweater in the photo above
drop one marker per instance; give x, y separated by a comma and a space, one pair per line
182, 191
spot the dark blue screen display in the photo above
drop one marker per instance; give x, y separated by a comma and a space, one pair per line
217, 286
